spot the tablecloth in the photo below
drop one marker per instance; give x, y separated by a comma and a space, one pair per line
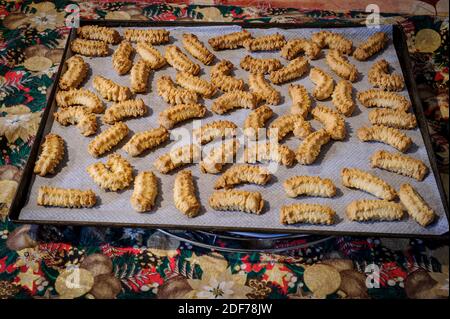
137, 263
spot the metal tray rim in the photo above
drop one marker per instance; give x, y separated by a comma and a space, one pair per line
400, 47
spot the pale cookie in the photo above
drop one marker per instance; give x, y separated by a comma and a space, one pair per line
295, 47
173, 115
217, 129
309, 149
77, 71
258, 85
380, 98
94, 32
365, 181
51, 155
85, 121
107, 139
145, 192
221, 78
237, 200
270, 42
379, 76
172, 94
146, 140
269, 152
89, 47
301, 102
294, 70
375, 43
387, 135
82, 97
195, 84
393, 118
287, 123
197, 49
110, 90
180, 61
374, 210
256, 120
64, 197
341, 66
309, 186
324, 83
416, 206
342, 98
243, 174
255, 65
400, 164
184, 194
322, 280
122, 110
150, 55
331, 120
139, 75
116, 174
122, 58
178, 157
333, 40
307, 214
219, 156
151, 36
229, 41
234, 100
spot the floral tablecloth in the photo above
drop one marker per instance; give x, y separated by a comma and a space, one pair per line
134, 263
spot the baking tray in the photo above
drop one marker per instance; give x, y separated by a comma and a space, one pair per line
240, 218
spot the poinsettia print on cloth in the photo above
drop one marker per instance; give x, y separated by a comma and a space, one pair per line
39, 262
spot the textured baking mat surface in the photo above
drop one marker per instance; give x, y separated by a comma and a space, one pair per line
114, 207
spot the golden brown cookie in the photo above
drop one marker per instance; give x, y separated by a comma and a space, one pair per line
374, 210
375, 43
75, 74
180, 61
94, 32
379, 76
146, 140
294, 70
151, 36
63, 197
107, 139
269, 42
342, 98
237, 200
145, 192
332, 40
197, 49
295, 47
307, 213
184, 195
172, 94
309, 186
51, 155
233, 100
380, 98
385, 134
173, 115
260, 65
400, 164
116, 174
243, 174
229, 41
416, 206
309, 149
356, 178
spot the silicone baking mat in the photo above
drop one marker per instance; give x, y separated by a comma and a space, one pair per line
114, 207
